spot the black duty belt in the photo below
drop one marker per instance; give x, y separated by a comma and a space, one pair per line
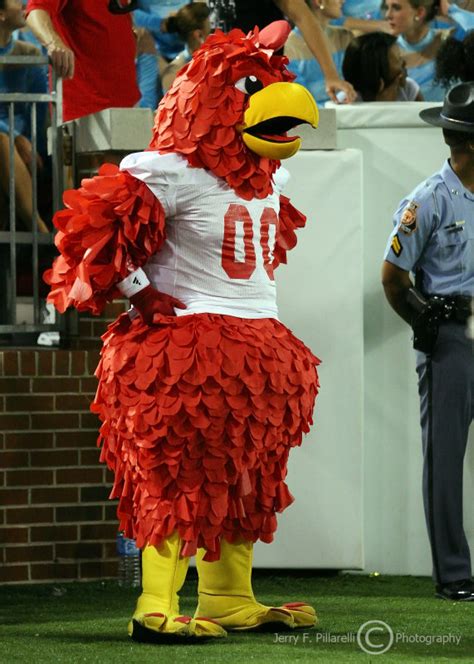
457, 308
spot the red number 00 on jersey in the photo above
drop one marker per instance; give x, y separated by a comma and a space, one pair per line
238, 214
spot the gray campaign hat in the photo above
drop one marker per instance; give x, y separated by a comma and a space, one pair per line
457, 112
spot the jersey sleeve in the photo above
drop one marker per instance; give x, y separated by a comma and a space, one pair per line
414, 222
161, 173
110, 227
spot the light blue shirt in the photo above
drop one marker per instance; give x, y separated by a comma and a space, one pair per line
366, 9
308, 71
150, 14
424, 73
148, 79
434, 234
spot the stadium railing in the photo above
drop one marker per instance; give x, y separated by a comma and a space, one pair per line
14, 331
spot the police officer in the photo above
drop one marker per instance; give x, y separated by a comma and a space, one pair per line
433, 238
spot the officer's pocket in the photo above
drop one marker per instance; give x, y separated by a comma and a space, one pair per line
452, 238
456, 247
454, 243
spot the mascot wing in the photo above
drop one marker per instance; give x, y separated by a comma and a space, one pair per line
289, 220
110, 226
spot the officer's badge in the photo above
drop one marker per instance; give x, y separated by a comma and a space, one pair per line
408, 220
396, 246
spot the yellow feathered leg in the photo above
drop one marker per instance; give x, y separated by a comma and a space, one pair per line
226, 596
157, 617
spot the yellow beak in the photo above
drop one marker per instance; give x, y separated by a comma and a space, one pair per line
272, 112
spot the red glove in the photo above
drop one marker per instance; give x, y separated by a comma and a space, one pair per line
150, 301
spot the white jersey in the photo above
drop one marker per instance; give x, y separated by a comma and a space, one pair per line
218, 253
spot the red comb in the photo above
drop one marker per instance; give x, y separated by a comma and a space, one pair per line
274, 35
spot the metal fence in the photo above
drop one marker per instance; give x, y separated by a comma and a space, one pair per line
12, 240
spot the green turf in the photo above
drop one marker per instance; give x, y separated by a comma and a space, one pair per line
87, 623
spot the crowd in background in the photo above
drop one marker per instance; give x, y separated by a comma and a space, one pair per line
127, 52
419, 30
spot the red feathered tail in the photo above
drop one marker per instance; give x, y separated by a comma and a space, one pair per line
111, 225
289, 220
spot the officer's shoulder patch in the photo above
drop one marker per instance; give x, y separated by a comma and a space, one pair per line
396, 245
408, 223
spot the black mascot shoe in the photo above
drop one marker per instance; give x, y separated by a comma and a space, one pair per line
456, 591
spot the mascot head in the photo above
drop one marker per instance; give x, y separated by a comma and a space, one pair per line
230, 108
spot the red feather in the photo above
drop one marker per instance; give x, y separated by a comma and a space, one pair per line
274, 36
289, 220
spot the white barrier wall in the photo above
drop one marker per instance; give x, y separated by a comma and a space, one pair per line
320, 299
399, 151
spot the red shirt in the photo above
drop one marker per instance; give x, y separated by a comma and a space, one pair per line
104, 47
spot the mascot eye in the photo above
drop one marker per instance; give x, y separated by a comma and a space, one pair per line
249, 85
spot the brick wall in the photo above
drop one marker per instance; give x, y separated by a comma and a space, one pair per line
55, 520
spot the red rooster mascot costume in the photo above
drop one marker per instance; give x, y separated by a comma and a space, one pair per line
202, 391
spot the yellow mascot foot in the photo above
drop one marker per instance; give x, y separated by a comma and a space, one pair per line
241, 614
226, 596
157, 617
303, 614
159, 628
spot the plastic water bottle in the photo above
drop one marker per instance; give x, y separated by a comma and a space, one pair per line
129, 573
